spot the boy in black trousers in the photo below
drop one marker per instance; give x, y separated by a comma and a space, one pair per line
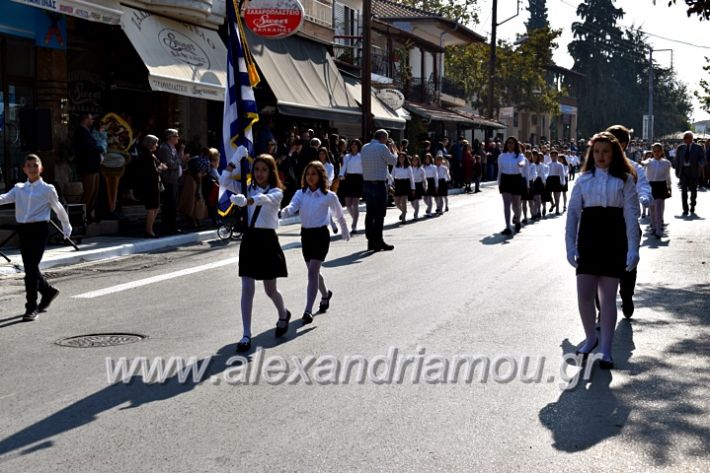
33, 201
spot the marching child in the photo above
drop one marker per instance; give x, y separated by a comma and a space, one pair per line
34, 200
432, 181
420, 183
314, 203
260, 254
403, 184
443, 177
658, 172
351, 181
326, 159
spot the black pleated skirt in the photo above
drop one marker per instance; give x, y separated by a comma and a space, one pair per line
538, 187
601, 242
418, 191
554, 184
443, 188
315, 243
260, 255
351, 186
402, 187
659, 189
431, 186
511, 184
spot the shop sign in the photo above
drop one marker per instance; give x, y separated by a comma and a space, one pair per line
274, 18
183, 48
393, 98
86, 91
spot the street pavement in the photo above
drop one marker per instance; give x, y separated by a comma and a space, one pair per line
452, 286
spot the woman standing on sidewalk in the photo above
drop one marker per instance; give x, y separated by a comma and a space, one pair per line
314, 203
260, 254
149, 187
658, 172
602, 237
351, 181
510, 182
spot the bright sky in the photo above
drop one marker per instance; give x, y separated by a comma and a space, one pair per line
669, 22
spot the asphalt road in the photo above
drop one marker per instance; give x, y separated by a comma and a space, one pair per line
452, 286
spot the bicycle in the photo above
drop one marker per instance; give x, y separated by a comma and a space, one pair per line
227, 229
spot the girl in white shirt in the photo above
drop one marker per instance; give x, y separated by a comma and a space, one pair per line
510, 181
565, 187
260, 254
420, 184
527, 199
442, 178
351, 181
555, 180
602, 237
658, 172
314, 203
432, 181
326, 159
403, 184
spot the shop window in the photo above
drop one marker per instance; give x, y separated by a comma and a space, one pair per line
23, 58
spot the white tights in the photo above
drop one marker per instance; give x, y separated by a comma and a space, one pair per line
587, 287
248, 290
315, 282
508, 200
656, 210
352, 205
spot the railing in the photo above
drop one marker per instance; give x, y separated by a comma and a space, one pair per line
413, 90
319, 12
347, 49
452, 88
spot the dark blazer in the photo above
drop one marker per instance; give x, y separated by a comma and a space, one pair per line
87, 154
697, 159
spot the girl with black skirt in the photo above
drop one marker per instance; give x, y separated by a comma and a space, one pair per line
420, 184
538, 185
510, 181
602, 237
565, 187
314, 204
260, 254
351, 181
658, 172
403, 184
527, 198
555, 180
432, 182
442, 185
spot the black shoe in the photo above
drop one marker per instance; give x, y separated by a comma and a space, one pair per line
525, 221
692, 210
507, 231
606, 364
586, 354
685, 213
627, 307
325, 302
244, 345
385, 247
373, 247
307, 318
517, 227
335, 229
47, 299
282, 325
30, 315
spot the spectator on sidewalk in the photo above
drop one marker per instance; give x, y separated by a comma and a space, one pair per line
171, 155
88, 162
149, 187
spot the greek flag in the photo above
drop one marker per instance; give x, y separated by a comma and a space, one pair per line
240, 112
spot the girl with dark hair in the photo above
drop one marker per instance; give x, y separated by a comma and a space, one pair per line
260, 254
510, 181
555, 180
351, 181
432, 182
314, 203
658, 172
528, 197
565, 181
327, 160
403, 184
602, 237
420, 183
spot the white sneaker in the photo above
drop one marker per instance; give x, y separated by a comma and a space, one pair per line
30, 316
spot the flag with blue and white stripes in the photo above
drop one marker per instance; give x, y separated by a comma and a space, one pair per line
240, 112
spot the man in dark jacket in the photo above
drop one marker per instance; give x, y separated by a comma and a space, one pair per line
170, 154
87, 157
689, 158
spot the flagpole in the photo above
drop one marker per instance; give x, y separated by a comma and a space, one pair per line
366, 79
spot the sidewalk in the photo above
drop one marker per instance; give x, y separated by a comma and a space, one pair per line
107, 247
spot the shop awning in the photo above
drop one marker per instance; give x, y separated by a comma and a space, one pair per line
434, 113
303, 77
108, 11
481, 121
181, 58
385, 117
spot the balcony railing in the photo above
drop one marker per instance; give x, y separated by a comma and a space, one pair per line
319, 12
452, 88
413, 91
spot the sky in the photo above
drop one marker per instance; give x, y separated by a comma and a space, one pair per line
669, 22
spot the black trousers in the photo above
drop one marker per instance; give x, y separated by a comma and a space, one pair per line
168, 216
688, 182
33, 241
375, 193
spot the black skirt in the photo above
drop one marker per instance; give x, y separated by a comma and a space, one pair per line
554, 184
443, 188
315, 243
402, 187
601, 242
418, 191
538, 187
351, 186
431, 186
659, 189
527, 191
260, 255
511, 184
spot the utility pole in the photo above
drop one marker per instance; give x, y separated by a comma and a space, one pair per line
492, 62
366, 79
650, 90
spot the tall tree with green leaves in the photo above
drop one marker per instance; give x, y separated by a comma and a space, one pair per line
704, 97
700, 8
538, 15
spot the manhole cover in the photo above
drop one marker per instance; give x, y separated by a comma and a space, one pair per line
100, 340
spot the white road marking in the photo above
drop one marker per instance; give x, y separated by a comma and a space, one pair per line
154, 279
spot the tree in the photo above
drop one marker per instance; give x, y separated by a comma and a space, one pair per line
462, 11
705, 85
695, 7
538, 15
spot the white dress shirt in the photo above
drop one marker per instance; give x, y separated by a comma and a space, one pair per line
542, 171
314, 208
270, 200
329, 172
643, 188
599, 189
509, 163
430, 171
557, 169
659, 170
530, 172
404, 173
442, 172
34, 202
352, 164
419, 175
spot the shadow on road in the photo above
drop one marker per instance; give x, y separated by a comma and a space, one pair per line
16, 319
496, 239
354, 258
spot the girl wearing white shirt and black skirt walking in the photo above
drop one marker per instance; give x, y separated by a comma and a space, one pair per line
602, 237
432, 181
314, 204
351, 181
403, 184
658, 172
528, 198
442, 187
260, 254
326, 159
420, 184
555, 180
510, 181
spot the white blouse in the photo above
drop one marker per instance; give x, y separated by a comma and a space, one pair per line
430, 171
314, 208
419, 174
542, 170
268, 199
658, 170
352, 164
599, 189
34, 202
442, 172
329, 172
557, 169
404, 173
530, 172
509, 163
